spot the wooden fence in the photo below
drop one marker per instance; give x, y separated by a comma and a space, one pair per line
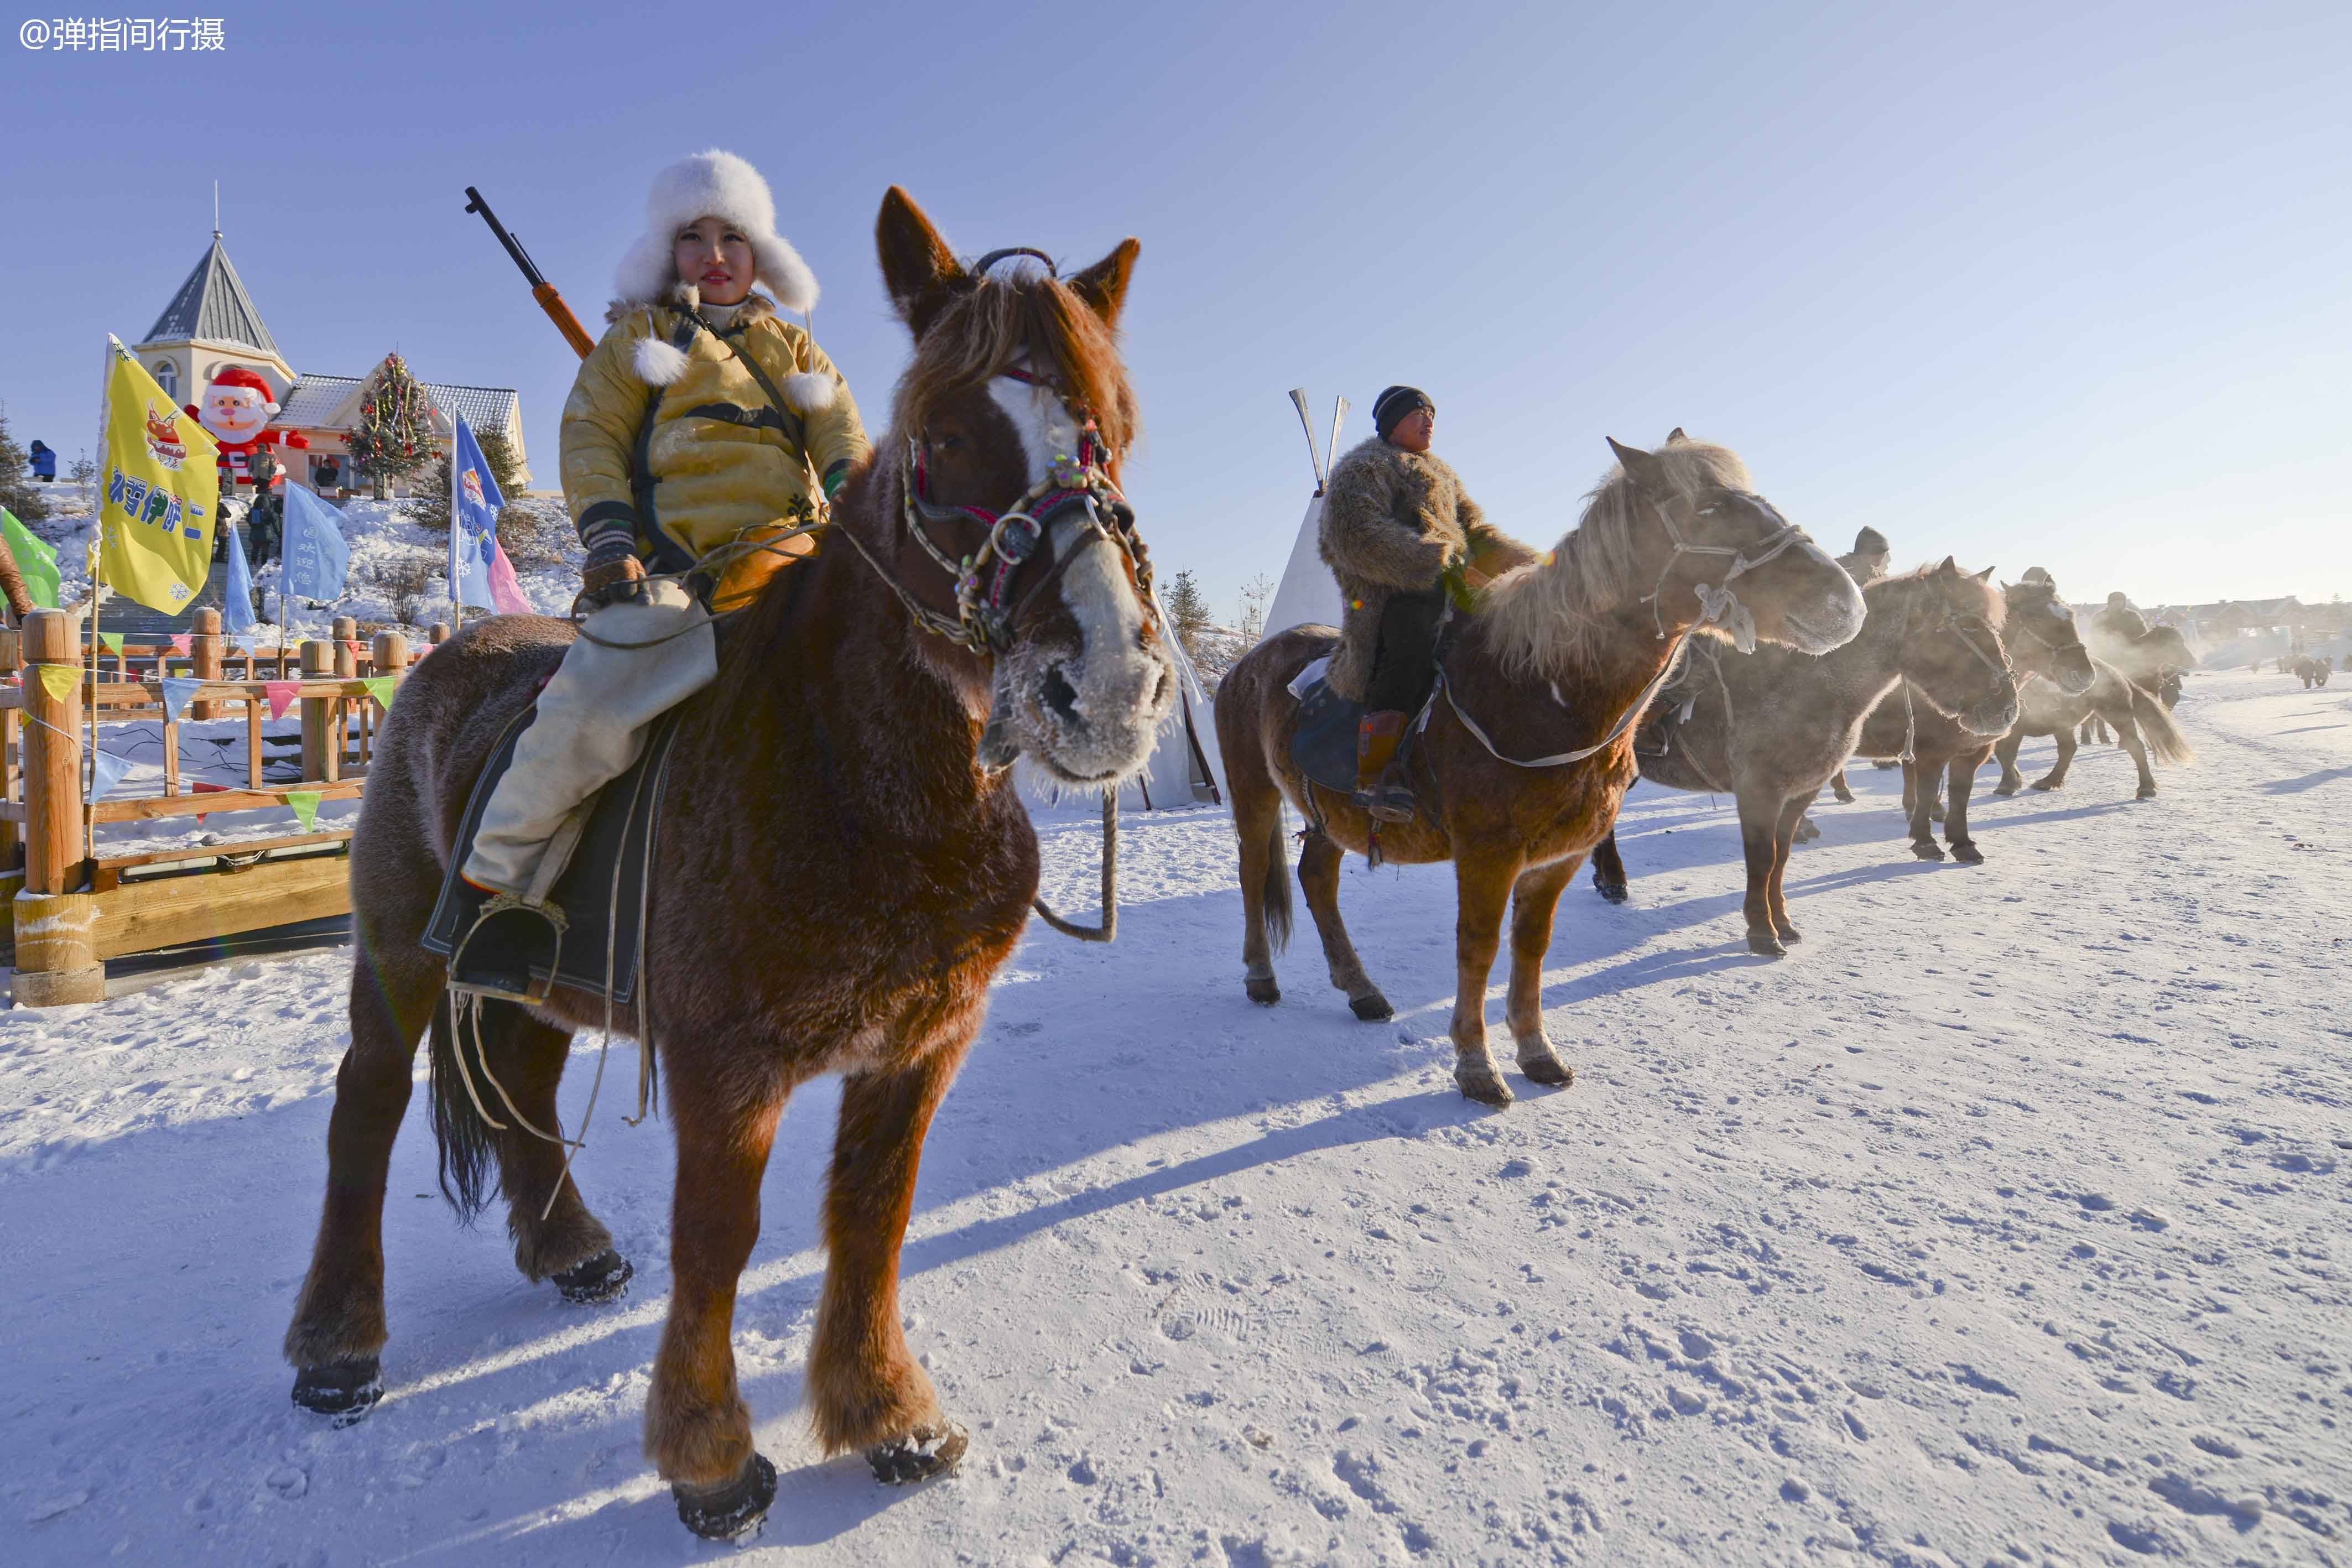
74, 908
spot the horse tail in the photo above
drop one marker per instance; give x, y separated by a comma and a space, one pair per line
2158, 728
1274, 905
467, 1150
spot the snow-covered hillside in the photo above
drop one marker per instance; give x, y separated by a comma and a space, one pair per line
2005, 1222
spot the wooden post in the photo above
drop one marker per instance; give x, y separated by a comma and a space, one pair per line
347, 668
11, 658
319, 752
391, 655
57, 957
12, 835
205, 646
438, 632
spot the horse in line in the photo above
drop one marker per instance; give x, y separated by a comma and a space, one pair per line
1552, 671
1770, 729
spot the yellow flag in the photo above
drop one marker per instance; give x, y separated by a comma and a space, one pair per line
306, 807
62, 681
162, 492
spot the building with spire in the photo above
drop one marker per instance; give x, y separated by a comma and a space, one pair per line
212, 324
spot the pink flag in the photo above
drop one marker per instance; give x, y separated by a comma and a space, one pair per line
504, 588
281, 695
184, 643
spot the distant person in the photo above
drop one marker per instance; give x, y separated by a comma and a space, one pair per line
2119, 621
1867, 561
45, 462
328, 475
2042, 576
1399, 535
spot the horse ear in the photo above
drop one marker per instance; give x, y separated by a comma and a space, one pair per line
1985, 576
2006, 587
1676, 434
1103, 286
1642, 468
920, 271
1947, 567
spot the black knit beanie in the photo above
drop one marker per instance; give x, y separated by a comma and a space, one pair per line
1396, 405
1870, 541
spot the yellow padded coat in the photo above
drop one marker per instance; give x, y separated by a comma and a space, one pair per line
722, 468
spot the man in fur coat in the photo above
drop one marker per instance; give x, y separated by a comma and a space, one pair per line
1402, 538
1867, 562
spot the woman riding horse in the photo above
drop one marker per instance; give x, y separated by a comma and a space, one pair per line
700, 432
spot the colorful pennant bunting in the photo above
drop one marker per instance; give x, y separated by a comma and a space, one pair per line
306, 807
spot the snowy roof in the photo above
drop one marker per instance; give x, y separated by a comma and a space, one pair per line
315, 398
213, 305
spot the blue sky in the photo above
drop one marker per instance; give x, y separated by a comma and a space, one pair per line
2062, 286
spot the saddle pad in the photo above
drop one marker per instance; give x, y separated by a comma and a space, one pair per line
1323, 747
619, 830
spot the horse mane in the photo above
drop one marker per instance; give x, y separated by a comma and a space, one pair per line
1550, 617
1027, 320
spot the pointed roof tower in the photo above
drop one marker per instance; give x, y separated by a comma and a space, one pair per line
213, 306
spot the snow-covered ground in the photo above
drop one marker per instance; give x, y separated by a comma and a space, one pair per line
2005, 1221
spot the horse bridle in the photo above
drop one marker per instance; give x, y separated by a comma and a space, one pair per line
985, 610
1718, 605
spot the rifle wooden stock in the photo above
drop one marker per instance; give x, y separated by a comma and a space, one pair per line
565, 321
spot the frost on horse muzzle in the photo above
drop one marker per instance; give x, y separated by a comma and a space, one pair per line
1089, 691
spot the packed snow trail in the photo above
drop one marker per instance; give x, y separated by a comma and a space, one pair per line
2005, 1221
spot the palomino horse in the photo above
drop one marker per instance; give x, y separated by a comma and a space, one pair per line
2040, 639
1769, 729
836, 877
1528, 746
2142, 724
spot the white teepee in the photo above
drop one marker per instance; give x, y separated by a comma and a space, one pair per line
1309, 595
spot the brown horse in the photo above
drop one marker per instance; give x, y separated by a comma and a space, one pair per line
838, 877
2040, 639
2139, 716
1553, 672
1769, 729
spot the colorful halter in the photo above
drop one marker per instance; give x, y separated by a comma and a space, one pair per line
985, 610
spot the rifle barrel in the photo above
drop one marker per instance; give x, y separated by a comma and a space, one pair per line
475, 204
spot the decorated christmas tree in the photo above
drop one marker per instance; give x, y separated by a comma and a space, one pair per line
393, 435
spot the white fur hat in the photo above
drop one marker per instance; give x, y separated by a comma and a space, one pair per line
722, 185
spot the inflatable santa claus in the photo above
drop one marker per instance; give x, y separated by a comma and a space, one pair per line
235, 411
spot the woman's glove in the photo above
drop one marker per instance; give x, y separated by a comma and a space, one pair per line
611, 574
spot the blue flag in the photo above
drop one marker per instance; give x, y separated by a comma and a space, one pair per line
317, 557
236, 597
107, 770
474, 503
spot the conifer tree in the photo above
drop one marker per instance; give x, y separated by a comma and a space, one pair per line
393, 437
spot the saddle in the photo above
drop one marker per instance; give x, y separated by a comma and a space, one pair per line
602, 890
1323, 747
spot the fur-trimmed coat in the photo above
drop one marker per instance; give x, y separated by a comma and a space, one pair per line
1393, 521
721, 468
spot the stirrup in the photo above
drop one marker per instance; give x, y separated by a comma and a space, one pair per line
1388, 802
512, 935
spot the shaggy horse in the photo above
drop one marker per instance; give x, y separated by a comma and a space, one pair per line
2155, 658
1769, 729
2140, 718
2041, 639
1529, 744
837, 875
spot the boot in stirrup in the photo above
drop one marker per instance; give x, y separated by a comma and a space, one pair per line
513, 943
1380, 789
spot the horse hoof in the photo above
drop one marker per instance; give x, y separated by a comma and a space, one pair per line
1765, 944
1845, 796
1966, 852
732, 1509
1614, 891
1484, 1085
925, 1452
2005, 791
1788, 934
1925, 851
1549, 1071
342, 1391
2045, 784
1373, 1008
2146, 794
603, 1278
1265, 993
